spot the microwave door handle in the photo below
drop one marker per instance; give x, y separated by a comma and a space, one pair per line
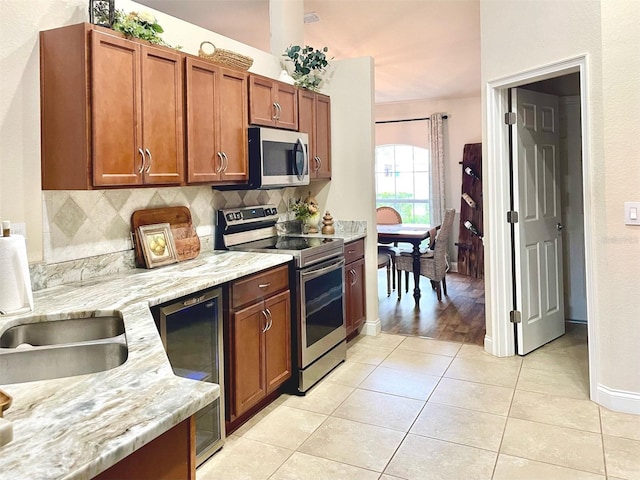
303, 168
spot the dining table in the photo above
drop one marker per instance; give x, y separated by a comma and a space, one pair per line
412, 233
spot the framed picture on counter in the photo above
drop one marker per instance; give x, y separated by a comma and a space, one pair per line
157, 244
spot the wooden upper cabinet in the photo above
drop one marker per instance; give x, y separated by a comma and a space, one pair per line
162, 115
272, 103
111, 110
216, 123
315, 120
136, 112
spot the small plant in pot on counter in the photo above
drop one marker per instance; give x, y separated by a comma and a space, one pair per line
308, 212
309, 65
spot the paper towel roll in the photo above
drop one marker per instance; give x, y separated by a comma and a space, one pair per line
15, 282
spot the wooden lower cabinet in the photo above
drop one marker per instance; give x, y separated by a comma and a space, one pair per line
258, 344
355, 288
171, 456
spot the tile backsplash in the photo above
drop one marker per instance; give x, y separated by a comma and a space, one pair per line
87, 233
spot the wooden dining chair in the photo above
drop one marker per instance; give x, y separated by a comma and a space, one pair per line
389, 216
433, 264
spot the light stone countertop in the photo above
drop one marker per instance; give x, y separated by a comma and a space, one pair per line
77, 427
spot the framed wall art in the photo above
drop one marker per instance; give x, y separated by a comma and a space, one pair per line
157, 244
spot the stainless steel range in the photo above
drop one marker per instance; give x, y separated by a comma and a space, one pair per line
319, 334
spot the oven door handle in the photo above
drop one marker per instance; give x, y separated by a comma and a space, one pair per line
312, 273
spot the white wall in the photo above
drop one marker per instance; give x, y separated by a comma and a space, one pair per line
520, 36
350, 195
463, 125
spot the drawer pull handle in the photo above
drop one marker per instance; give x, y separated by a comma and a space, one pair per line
264, 285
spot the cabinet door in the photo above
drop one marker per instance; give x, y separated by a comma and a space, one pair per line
203, 163
355, 292
262, 110
162, 121
233, 125
278, 341
287, 99
116, 111
323, 135
248, 357
307, 124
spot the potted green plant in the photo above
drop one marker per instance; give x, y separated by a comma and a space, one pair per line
309, 65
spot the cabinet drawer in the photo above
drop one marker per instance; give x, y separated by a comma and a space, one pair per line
354, 250
259, 286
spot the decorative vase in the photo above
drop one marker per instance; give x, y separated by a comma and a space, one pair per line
327, 224
311, 223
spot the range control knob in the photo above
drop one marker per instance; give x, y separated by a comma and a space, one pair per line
238, 215
229, 216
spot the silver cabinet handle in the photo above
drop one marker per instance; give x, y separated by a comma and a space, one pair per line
270, 320
355, 277
319, 162
219, 169
266, 318
279, 110
226, 161
141, 169
264, 285
275, 111
150, 160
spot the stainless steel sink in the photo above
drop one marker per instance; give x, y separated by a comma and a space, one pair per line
57, 361
61, 348
57, 332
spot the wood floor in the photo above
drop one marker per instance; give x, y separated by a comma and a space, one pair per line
459, 317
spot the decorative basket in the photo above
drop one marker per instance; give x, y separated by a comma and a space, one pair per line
225, 57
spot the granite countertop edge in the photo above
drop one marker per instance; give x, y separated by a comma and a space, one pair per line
77, 427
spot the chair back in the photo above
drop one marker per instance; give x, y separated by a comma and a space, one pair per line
436, 267
387, 216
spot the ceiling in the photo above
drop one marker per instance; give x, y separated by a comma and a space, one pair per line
422, 49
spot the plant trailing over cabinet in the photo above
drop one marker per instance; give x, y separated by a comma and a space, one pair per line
141, 25
309, 65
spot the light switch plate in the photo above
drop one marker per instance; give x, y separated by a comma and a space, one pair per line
631, 210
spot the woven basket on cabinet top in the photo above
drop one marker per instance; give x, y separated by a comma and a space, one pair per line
225, 57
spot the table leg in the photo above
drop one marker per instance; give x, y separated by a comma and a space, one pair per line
416, 271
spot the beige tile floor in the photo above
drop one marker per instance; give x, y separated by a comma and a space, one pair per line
415, 409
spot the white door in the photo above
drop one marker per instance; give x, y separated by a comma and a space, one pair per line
538, 233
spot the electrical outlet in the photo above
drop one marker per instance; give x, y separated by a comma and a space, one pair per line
632, 213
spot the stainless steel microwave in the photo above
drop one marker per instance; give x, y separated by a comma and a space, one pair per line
278, 158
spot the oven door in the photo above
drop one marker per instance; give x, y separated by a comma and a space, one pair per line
322, 309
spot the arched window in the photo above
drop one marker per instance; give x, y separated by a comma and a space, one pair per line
403, 181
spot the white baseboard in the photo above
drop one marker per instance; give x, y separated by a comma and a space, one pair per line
488, 345
372, 328
618, 400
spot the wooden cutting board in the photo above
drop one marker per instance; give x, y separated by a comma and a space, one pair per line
183, 231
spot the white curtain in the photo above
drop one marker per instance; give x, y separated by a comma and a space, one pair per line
437, 169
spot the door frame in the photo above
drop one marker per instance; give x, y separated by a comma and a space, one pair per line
499, 280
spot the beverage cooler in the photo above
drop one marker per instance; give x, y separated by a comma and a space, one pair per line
191, 332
